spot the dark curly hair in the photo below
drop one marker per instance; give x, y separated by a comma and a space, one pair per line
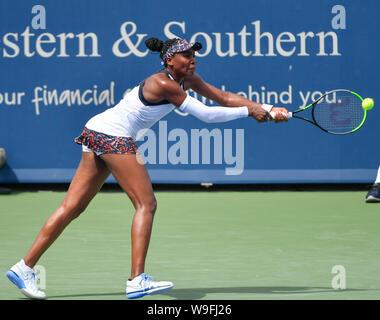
160, 46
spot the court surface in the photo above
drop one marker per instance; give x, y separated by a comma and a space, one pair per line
213, 245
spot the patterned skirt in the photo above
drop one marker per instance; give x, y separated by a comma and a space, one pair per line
101, 143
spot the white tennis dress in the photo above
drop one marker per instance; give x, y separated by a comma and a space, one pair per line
132, 116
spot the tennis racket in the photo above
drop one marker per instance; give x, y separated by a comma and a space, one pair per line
338, 111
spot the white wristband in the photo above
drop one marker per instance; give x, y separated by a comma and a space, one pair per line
267, 107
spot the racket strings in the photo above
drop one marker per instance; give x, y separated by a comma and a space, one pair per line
339, 112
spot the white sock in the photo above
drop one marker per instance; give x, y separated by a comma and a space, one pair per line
378, 176
24, 266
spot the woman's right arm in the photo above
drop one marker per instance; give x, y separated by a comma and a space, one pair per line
160, 88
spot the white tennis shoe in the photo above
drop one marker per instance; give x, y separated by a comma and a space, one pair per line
26, 280
143, 285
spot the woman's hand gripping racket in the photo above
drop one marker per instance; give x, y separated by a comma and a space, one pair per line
338, 111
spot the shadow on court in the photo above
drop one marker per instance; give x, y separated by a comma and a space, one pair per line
199, 293
194, 294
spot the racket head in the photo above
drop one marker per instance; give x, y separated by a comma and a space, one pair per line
339, 112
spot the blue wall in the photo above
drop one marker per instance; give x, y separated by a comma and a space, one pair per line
286, 48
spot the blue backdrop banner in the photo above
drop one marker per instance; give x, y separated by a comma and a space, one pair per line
62, 62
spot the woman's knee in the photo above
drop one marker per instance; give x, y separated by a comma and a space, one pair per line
72, 210
148, 205
153, 205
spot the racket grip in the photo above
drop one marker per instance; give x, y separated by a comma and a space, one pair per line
273, 114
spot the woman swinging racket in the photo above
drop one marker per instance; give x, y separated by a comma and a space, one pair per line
108, 145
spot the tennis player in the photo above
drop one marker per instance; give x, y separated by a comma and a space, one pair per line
108, 144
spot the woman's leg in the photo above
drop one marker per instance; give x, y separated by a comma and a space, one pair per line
88, 179
133, 178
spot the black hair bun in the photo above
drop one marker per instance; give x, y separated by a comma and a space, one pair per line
154, 44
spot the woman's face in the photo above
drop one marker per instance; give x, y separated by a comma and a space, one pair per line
183, 63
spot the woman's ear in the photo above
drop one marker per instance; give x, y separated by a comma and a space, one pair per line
169, 61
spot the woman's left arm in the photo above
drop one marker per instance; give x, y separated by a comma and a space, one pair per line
229, 99
224, 98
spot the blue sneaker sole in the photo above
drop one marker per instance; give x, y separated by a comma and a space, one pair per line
136, 295
15, 279
140, 294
